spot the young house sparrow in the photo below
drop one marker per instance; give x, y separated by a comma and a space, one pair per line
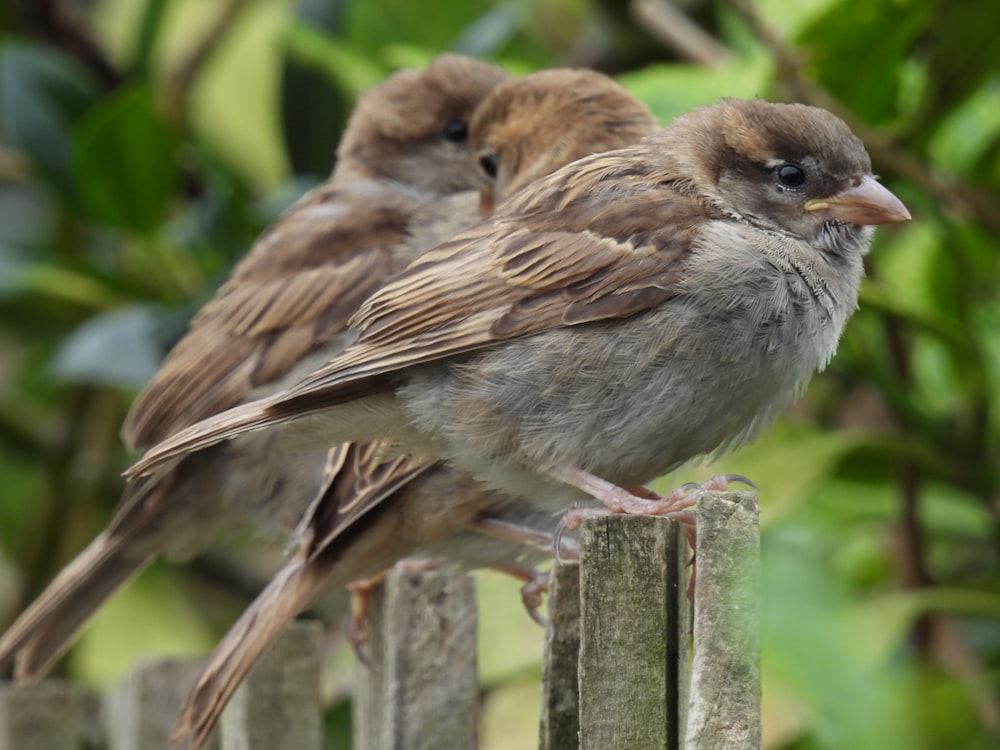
404, 181
632, 311
372, 513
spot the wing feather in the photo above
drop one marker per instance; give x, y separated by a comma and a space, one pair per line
605, 241
358, 477
296, 289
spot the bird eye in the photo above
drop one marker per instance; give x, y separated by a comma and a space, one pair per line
488, 163
456, 131
791, 175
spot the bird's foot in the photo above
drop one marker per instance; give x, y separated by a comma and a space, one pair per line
361, 601
562, 549
640, 500
536, 585
357, 626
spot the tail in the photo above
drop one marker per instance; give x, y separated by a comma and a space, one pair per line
220, 427
287, 595
49, 626
311, 396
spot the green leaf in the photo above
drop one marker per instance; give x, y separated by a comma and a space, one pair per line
123, 155
816, 645
788, 465
20, 488
671, 90
42, 95
491, 32
961, 54
149, 33
153, 615
967, 133
843, 504
350, 69
26, 219
376, 23
313, 114
858, 48
116, 348
789, 19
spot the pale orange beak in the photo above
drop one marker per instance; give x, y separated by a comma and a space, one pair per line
863, 203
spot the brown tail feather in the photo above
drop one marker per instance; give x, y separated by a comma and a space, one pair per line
287, 595
49, 626
297, 402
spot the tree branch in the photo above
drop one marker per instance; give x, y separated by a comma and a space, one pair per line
66, 30
686, 38
182, 77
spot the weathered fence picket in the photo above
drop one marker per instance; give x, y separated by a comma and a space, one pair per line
422, 692
724, 708
559, 725
630, 633
279, 705
141, 710
46, 716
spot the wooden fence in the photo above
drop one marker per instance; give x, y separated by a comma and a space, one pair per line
627, 665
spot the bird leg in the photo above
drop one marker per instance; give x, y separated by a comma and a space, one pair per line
536, 582
640, 500
357, 626
361, 599
618, 499
526, 536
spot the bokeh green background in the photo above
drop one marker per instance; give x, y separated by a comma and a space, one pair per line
144, 143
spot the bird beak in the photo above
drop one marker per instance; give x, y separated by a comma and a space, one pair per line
865, 202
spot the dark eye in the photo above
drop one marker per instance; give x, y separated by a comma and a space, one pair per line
456, 131
488, 163
791, 175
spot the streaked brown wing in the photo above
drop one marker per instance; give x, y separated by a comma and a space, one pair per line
294, 290
577, 259
357, 477
599, 243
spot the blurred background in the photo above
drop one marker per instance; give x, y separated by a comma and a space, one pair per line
145, 143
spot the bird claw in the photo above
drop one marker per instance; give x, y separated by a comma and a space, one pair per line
570, 521
536, 585
531, 596
532, 593
361, 600
722, 482
643, 501
356, 631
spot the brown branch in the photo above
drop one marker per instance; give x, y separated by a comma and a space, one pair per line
181, 79
682, 35
952, 649
14, 166
66, 30
911, 546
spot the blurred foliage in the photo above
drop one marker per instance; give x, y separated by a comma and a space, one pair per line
144, 144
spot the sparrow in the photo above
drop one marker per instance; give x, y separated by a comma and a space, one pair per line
404, 181
371, 511
630, 312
